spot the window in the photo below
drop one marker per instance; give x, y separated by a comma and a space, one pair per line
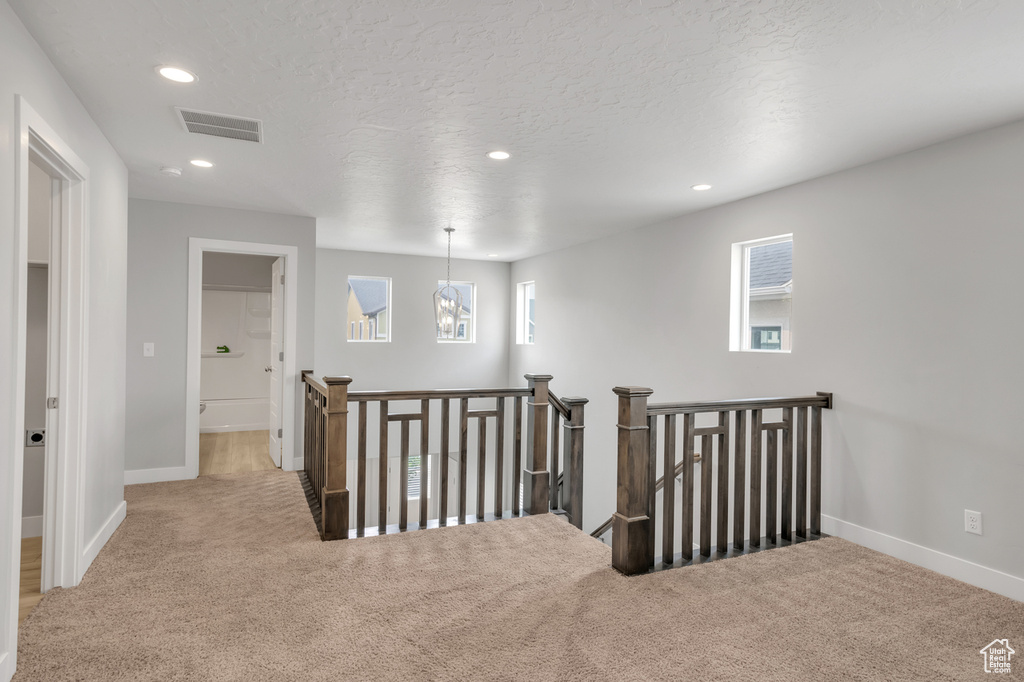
369, 308
762, 295
466, 331
525, 299
415, 476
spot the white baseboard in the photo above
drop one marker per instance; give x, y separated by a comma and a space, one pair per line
135, 476
6, 666
101, 537
235, 427
31, 526
946, 564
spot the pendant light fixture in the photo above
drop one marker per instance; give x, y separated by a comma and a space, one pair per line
448, 301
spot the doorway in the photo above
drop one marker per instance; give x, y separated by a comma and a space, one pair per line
48, 393
241, 376
240, 368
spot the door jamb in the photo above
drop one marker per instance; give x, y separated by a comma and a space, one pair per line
63, 521
196, 247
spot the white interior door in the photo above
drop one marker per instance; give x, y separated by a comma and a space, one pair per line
276, 358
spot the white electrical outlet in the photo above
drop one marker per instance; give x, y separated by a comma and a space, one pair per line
972, 522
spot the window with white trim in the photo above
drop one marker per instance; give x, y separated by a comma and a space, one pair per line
762, 295
369, 308
525, 304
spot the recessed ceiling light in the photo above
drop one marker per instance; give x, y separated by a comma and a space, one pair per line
173, 73
498, 156
171, 171
701, 188
201, 163
492, 255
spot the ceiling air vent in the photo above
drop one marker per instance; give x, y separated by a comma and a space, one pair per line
221, 125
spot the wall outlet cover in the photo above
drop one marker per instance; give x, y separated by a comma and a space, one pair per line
972, 522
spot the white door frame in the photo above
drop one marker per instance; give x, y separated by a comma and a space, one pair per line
63, 517
196, 248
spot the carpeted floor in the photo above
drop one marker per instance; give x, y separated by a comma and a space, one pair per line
224, 578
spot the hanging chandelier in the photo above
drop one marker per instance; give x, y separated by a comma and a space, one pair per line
448, 301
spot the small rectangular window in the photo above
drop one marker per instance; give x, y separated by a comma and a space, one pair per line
762, 295
369, 308
525, 310
466, 331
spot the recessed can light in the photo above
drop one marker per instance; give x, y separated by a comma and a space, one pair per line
498, 156
173, 73
201, 163
492, 255
701, 188
171, 171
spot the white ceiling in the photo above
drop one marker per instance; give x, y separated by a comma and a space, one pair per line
378, 114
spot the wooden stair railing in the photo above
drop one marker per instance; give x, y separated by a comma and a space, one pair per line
325, 452
633, 524
567, 493
658, 485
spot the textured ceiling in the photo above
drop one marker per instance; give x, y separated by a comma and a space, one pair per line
378, 114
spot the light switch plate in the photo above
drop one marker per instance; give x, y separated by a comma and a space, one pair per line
148, 350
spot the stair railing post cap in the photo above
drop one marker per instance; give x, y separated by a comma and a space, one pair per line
335, 381
632, 391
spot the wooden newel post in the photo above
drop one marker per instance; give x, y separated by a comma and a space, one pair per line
632, 549
572, 489
536, 479
334, 510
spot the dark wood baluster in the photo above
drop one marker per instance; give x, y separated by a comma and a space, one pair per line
739, 488
403, 480
382, 471
801, 472
722, 541
361, 473
556, 427
787, 474
707, 467
686, 494
463, 457
755, 478
424, 461
652, 510
481, 466
442, 502
499, 458
517, 453
771, 485
668, 492
816, 470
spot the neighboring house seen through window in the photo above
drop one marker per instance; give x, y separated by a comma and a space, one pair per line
369, 308
762, 296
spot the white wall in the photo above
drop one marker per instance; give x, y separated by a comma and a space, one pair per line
413, 359
158, 234
237, 270
905, 306
28, 72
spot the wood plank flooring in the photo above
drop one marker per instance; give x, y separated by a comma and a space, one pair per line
234, 452
29, 594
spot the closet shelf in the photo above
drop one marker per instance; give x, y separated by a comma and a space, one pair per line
223, 355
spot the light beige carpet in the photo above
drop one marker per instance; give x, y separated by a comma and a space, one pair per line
223, 578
